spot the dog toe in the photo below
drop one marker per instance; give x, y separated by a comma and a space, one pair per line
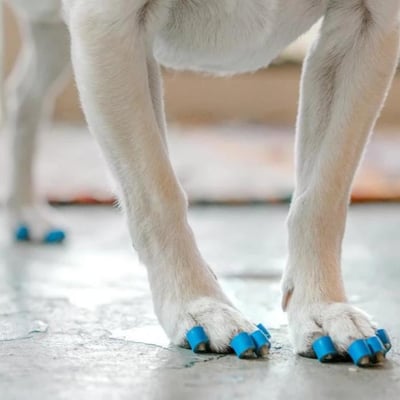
337, 331
213, 326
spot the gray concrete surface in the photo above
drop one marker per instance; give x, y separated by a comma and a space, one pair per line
76, 321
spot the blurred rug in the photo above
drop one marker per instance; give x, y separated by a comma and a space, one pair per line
233, 164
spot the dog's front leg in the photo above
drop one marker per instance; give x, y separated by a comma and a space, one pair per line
346, 78
119, 84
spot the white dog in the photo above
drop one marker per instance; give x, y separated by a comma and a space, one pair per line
117, 46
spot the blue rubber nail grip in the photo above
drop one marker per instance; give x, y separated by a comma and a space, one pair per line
242, 343
197, 336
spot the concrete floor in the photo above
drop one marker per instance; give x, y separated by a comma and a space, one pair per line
76, 321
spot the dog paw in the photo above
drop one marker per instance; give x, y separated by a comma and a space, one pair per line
36, 224
338, 329
207, 324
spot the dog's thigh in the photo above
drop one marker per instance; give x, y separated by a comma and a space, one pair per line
39, 10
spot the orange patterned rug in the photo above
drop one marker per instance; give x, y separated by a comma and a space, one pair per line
216, 164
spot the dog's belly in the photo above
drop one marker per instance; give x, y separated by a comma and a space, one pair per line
229, 36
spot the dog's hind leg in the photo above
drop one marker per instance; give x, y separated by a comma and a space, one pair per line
31, 89
346, 78
119, 84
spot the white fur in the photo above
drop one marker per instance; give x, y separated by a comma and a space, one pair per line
116, 48
35, 80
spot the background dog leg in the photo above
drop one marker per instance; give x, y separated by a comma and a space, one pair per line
346, 78
120, 89
31, 87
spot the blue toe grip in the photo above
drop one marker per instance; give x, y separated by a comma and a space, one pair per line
385, 339
324, 348
358, 350
54, 236
241, 343
260, 340
197, 336
264, 330
376, 346
22, 233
